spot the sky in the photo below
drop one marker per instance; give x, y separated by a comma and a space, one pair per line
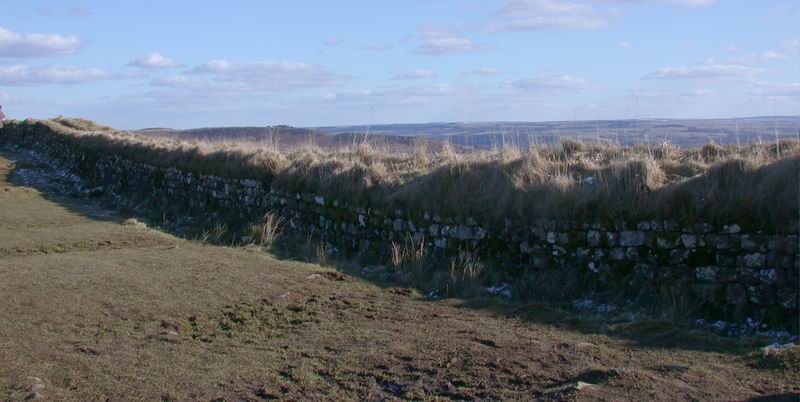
184, 64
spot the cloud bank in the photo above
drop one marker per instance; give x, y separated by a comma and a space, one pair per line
154, 61
17, 45
17, 75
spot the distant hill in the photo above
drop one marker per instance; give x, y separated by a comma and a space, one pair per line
485, 135
684, 132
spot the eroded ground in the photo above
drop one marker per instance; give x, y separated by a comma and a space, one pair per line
91, 309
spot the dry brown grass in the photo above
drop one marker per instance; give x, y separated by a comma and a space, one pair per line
268, 230
782, 358
753, 183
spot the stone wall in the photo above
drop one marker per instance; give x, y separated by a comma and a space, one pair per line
722, 270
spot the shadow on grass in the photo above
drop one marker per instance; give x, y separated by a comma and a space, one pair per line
790, 397
61, 189
55, 186
73, 194
642, 332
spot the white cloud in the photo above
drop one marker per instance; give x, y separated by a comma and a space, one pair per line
13, 75
270, 74
179, 82
792, 44
698, 93
332, 42
690, 3
240, 87
768, 55
484, 71
637, 92
68, 12
415, 74
377, 47
772, 55
685, 3
703, 71
776, 89
154, 61
398, 95
531, 15
437, 40
625, 45
350, 94
13, 44
6, 97
552, 84
449, 45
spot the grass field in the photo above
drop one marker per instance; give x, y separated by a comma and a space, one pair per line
93, 309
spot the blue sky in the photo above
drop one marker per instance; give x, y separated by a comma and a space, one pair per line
310, 63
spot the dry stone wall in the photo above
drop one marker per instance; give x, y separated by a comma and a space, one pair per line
722, 270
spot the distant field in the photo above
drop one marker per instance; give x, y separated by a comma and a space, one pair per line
96, 309
492, 135
678, 132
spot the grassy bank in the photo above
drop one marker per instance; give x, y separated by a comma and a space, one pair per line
752, 184
98, 310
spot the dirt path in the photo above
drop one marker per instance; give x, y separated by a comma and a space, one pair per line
91, 309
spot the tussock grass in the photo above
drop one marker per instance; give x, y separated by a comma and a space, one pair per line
80, 124
752, 183
461, 275
268, 230
784, 359
134, 222
215, 235
466, 274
